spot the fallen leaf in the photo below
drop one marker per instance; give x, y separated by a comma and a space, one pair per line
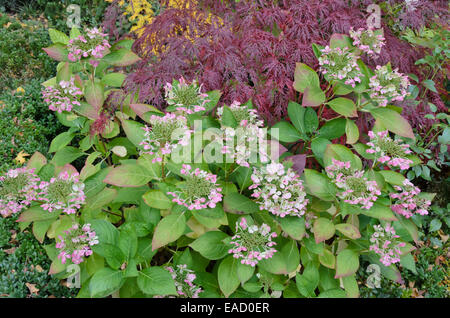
20, 158
39, 268
438, 260
444, 237
417, 294
10, 250
32, 288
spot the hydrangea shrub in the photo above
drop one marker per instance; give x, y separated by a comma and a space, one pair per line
200, 201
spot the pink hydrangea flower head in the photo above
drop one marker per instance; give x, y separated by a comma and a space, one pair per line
369, 41
75, 243
279, 190
389, 151
18, 188
408, 201
199, 190
92, 44
63, 96
245, 143
340, 64
252, 243
64, 192
355, 188
184, 282
385, 243
186, 98
164, 135
388, 85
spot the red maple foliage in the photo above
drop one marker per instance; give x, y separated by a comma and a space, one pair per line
248, 49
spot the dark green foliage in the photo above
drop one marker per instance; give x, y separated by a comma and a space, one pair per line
431, 264
429, 282
55, 11
26, 124
21, 54
20, 266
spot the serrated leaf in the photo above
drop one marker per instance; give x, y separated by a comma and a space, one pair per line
210, 245
348, 230
58, 37
156, 281
393, 121
347, 263
105, 282
323, 229
285, 132
121, 57
227, 275
169, 229
343, 106
128, 175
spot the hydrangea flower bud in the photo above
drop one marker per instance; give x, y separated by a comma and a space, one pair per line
187, 98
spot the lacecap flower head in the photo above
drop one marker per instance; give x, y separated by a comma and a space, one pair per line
17, 190
252, 243
389, 151
407, 201
368, 40
75, 243
184, 281
93, 44
242, 143
165, 134
279, 190
63, 96
388, 85
187, 98
386, 244
199, 191
64, 192
357, 190
340, 64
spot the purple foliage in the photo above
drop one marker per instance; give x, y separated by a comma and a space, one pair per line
251, 50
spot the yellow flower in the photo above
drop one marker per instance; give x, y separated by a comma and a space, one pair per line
141, 13
20, 90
